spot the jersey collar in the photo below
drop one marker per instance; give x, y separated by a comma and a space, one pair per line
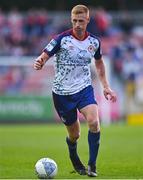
85, 36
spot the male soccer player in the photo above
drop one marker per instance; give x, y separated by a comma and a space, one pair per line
72, 89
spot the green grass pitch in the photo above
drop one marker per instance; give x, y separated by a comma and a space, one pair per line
120, 155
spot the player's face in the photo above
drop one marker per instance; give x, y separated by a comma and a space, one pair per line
79, 22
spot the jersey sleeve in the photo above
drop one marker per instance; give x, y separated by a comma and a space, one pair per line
53, 46
98, 53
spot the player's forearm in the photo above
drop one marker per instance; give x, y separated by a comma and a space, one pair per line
101, 73
44, 57
40, 61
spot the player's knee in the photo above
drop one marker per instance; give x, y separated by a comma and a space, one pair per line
74, 137
94, 125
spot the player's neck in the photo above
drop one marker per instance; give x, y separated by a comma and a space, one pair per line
82, 36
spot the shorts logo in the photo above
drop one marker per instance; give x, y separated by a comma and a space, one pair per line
51, 45
63, 119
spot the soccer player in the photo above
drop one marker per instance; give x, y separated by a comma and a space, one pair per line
72, 89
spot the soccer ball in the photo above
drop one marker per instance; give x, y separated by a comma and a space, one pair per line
46, 168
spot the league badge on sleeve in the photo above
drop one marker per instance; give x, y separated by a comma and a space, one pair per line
51, 45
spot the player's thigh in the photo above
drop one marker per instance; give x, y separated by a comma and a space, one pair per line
90, 113
74, 130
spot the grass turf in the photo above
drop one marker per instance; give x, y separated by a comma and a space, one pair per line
120, 155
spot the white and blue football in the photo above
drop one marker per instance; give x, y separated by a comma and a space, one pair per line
46, 168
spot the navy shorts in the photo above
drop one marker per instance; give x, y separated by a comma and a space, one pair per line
67, 105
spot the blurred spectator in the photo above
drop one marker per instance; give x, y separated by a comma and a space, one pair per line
126, 22
14, 79
103, 21
92, 26
131, 69
100, 22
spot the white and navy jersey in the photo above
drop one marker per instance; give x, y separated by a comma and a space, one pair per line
72, 61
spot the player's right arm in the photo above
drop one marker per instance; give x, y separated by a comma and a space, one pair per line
51, 49
40, 61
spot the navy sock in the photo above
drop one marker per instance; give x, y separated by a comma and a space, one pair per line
93, 141
72, 148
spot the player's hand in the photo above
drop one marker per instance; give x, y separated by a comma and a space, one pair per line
38, 64
109, 94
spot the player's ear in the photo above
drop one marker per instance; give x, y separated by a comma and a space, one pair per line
88, 19
71, 18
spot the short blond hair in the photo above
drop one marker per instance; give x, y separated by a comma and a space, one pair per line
79, 9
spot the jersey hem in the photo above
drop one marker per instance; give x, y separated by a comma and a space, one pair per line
69, 93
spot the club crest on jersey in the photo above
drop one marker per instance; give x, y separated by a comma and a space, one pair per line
91, 49
51, 45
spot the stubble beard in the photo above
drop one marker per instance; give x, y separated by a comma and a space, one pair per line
80, 32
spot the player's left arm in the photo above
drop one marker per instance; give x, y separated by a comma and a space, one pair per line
108, 92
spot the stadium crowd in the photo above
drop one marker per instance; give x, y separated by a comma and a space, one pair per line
25, 33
